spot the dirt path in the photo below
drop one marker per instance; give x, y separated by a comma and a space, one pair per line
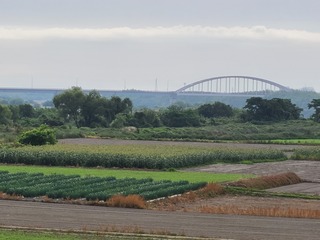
76, 217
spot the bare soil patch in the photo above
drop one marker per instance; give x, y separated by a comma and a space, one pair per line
306, 170
241, 202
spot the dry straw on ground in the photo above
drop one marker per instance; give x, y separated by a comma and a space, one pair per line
266, 182
257, 211
130, 201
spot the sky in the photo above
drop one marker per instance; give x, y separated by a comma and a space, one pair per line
157, 45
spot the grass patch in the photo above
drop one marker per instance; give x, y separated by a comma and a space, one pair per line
138, 174
29, 234
14, 234
306, 154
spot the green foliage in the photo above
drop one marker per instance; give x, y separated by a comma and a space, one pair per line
70, 103
175, 116
5, 114
90, 110
276, 109
26, 111
145, 118
132, 156
215, 110
315, 103
92, 188
307, 154
120, 120
126, 173
38, 136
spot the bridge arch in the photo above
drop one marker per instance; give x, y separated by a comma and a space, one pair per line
232, 85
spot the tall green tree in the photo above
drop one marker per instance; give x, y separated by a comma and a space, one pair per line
315, 104
26, 110
93, 109
5, 114
276, 109
175, 116
145, 118
70, 104
215, 110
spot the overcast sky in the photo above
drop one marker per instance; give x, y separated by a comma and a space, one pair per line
132, 44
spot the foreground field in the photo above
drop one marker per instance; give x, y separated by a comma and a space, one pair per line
91, 188
188, 218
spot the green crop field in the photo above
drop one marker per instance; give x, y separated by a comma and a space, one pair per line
132, 156
91, 188
307, 154
119, 173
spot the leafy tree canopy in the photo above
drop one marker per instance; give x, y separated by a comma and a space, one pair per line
315, 104
276, 109
215, 110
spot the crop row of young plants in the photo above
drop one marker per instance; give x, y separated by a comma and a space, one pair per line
132, 156
307, 154
91, 188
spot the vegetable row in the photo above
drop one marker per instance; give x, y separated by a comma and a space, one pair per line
91, 188
123, 158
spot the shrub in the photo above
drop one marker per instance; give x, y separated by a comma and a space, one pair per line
38, 136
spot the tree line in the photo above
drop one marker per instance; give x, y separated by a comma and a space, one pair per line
74, 106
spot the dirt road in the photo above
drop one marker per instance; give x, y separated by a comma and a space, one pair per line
75, 217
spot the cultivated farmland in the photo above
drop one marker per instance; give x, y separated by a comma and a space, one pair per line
133, 156
91, 188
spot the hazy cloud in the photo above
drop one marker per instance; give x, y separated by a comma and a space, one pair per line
101, 34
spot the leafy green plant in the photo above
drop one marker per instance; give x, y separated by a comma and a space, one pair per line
38, 136
132, 156
91, 188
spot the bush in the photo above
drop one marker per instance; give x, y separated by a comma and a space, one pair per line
38, 136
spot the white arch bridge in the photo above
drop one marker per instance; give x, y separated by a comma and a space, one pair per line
231, 85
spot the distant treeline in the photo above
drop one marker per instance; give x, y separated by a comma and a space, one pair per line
159, 100
91, 109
